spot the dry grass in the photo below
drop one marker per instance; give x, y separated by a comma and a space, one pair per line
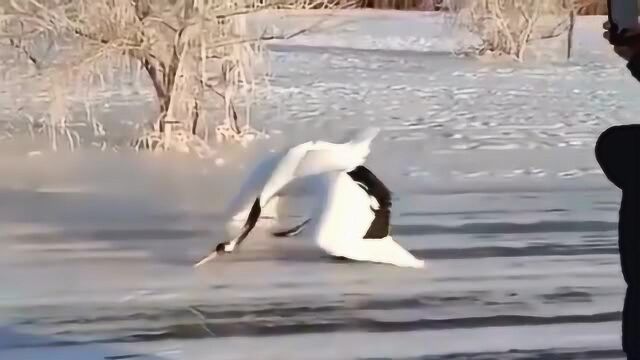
591, 7
583, 7
198, 54
507, 27
423, 5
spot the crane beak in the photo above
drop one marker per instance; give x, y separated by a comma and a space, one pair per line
209, 257
220, 249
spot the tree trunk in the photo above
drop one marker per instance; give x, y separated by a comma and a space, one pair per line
188, 9
162, 81
572, 23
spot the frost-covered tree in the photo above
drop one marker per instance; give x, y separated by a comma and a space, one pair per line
507, 27
193, 51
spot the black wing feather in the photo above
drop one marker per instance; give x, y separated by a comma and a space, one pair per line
380, 226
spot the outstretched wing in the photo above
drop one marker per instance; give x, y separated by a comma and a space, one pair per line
322, 156
313, 158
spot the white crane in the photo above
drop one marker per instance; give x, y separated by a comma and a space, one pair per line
352, 207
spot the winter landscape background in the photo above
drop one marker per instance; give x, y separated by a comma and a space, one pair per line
495, 185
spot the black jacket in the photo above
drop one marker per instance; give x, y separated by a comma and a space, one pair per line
618, 153
634, 66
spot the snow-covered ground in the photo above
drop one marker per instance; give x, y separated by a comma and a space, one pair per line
494, 181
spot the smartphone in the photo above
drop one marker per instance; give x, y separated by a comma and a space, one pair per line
623, 14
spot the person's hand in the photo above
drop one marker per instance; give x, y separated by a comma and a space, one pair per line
627, 51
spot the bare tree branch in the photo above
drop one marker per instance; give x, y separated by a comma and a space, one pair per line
15, 44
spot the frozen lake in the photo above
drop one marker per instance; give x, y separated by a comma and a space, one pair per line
495, 185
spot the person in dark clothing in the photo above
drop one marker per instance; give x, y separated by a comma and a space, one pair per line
630, 52
618, 153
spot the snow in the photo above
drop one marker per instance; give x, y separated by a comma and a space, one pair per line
494, 180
